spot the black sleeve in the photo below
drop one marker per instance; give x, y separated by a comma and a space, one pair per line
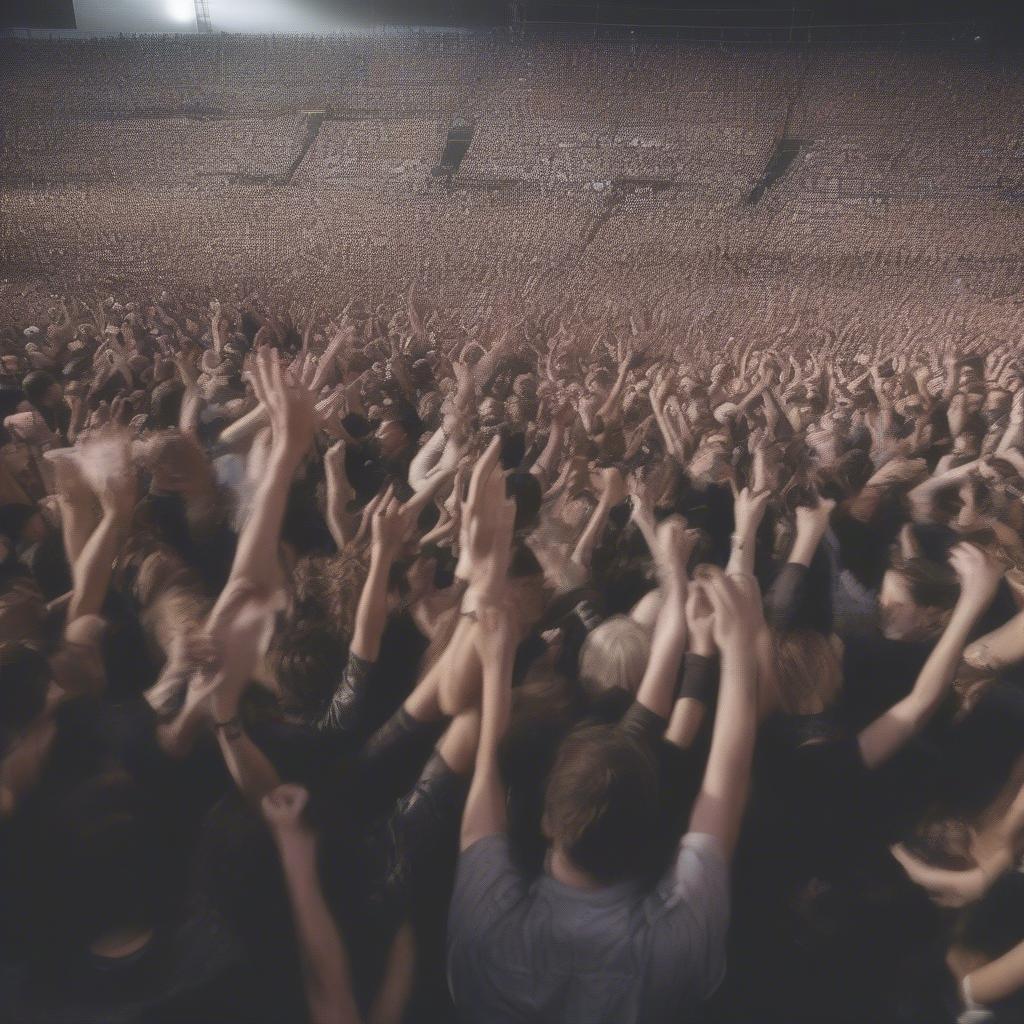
344, 712
642, 723
800, 597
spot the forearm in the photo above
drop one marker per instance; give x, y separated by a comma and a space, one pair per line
93, 568
485, 812
719, 806
78, 520
741, 555
244, 429
804, 547
548, 459
657, 687
592, 534
888, 733
251, 769
256, 557
999, 979
325, 966
371, 615
426, 458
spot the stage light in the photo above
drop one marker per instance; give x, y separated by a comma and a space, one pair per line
181, 10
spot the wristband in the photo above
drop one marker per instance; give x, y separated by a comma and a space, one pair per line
700, 678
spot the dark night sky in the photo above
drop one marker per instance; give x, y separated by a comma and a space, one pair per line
60, 13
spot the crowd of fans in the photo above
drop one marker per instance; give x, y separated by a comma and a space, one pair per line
407, 663
624, 622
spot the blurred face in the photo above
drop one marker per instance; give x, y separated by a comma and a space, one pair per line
997, 403
391, 438
491, 412
902, 618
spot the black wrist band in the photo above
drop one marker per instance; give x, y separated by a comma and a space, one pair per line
700, 678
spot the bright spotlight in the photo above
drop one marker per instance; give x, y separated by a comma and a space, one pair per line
181, 10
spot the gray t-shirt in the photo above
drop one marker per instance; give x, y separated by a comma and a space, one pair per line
541, 951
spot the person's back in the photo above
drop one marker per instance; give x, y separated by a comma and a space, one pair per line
547, 950
589, 940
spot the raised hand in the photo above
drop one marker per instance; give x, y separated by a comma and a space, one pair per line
290, 403
749, 510
675, 543
700, 620
736, 602
390, 525
813, 520
283, 810
488, 516
979, 575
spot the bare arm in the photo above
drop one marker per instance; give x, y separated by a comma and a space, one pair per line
718, 809
485, 813
657, 687
325, 967
613, 490
390, 526
999, 979
979, 577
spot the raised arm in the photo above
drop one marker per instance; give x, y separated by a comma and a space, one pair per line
657, 687
749, 511
114, 479
325, 967
390, 527
485, 813
490, 516
997, 980
979, 577
613, 490
291, 408
718, 809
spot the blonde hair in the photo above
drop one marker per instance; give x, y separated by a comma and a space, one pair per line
615, 654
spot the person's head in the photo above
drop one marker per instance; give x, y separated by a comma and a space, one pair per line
165, 404
105, 863
42, 390
916, 598
491, 412
520, 411
305, 658
614, 655
806, 670
970, 435
602, 802
710, 464
22, 524
395, 433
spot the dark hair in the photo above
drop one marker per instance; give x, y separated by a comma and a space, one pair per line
931, 584
602, 803
525, 489
36, 384
101, 863
308, 657
165, 405
14, 517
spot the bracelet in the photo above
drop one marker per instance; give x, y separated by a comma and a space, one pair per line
232, 728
